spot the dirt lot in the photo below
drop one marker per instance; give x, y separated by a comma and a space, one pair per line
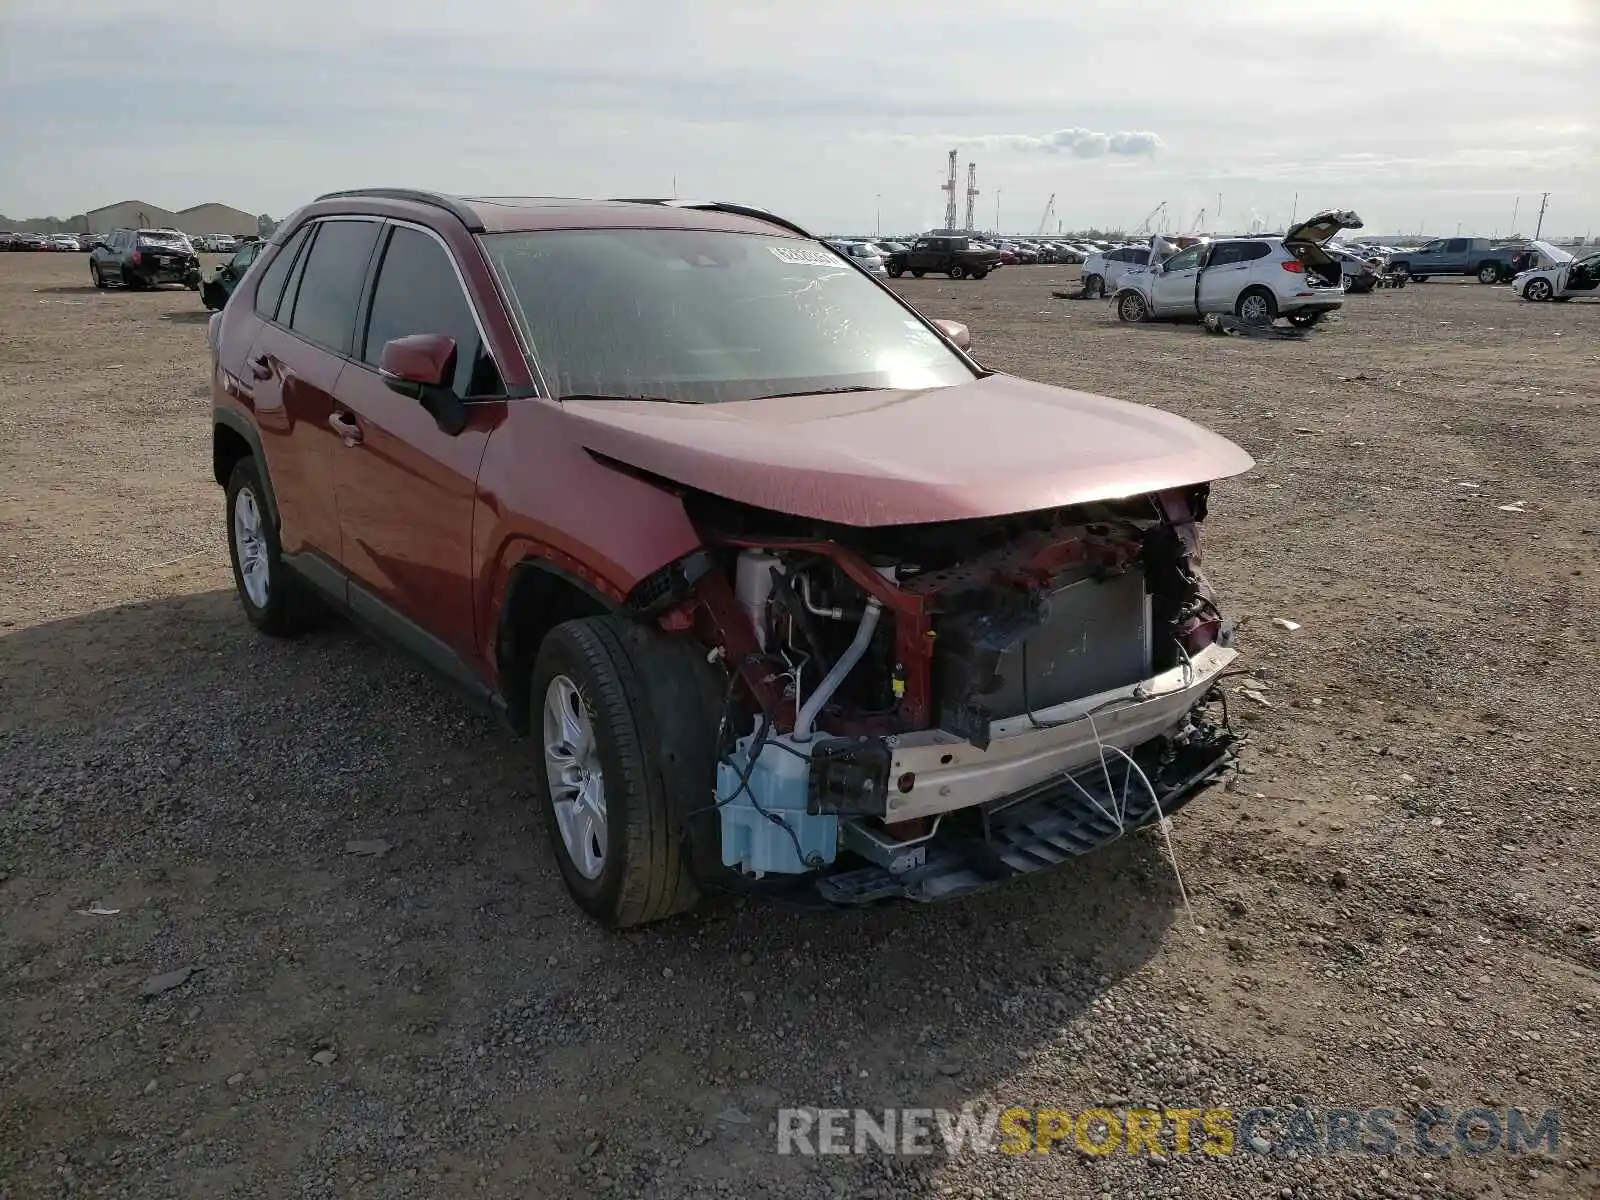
1395, 901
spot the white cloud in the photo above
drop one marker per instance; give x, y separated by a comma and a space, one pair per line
1081, 143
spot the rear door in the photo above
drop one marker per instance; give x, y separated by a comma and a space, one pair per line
1227, 272
309, 309
405, 488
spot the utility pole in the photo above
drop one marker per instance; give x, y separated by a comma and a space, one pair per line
1219, 208
997, 210
880, 214
1543, 202
1295, 211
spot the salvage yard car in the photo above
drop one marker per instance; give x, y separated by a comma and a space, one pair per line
144, 258
1456, 256
957, 257
700, 508
1104, 271
1561, 277
1257, 279
214, 292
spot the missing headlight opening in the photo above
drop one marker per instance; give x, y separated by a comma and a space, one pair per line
919, 710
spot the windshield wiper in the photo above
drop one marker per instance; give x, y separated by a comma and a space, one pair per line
833, 391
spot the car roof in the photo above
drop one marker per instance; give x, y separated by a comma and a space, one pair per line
519, 214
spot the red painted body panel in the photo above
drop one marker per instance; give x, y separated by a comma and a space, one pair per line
994, 446
406, 496
292, 407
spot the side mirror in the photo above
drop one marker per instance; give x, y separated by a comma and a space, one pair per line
956, 332
417, 366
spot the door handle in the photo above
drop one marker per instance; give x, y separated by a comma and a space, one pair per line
345, 426
261, 366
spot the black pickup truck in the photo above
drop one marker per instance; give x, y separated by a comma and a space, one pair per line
957, 257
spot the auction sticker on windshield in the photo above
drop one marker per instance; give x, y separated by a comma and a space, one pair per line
804, 256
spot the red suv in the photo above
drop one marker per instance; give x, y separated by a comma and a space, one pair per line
791, 593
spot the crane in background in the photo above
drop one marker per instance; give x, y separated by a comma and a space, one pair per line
1049, 211
972, 192
1157, 211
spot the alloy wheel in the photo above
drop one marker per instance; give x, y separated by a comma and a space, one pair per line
577, 784
250, 543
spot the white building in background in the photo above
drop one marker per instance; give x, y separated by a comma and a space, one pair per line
130, 214
140, 214
214, 218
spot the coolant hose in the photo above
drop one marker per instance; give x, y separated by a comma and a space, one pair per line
812, 708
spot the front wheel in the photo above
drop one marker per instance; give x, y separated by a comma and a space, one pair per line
957, 271
601, 786
1489, 273
99, 279
1094, 287
895, 270
980, 273
1538, 289
1132, 308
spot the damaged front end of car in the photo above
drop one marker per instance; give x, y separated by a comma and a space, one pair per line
918, 711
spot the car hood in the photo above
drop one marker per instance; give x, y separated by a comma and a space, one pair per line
1322, 227
1553, 254
994, 446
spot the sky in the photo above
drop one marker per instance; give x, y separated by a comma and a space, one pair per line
1421, 115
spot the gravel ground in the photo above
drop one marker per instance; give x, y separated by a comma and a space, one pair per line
375, 985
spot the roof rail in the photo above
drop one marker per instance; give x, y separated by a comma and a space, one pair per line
454, 207
738, 210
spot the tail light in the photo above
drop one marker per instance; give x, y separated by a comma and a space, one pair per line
136, 258
1294, 266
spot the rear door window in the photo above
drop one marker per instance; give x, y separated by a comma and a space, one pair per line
329, 291
418, 292
1226, 254
1456, 245
1140, 257
270, 289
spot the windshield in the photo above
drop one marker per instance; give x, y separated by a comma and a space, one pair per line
700, 316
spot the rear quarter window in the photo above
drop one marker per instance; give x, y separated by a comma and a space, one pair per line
270, 289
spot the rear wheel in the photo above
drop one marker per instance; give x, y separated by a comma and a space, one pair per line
94, 274
918, 274
273, 599
1132, 308
131, 281
602, 785
1489, 273
1419, 279
1256, 306
957, 271
895, 270
980, 273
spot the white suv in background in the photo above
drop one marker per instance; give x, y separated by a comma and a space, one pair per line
1257, 279
1103, 270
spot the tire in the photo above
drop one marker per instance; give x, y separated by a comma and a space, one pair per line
1489, 273
1538, 290
1401, 269
1304, 320
131, 281
1256, 306
1094, 287
1132, 309
918, 274
895, 270
980, 273
957, 271
1348, 282
1418, 278
591, 682
275, 601
99, 279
